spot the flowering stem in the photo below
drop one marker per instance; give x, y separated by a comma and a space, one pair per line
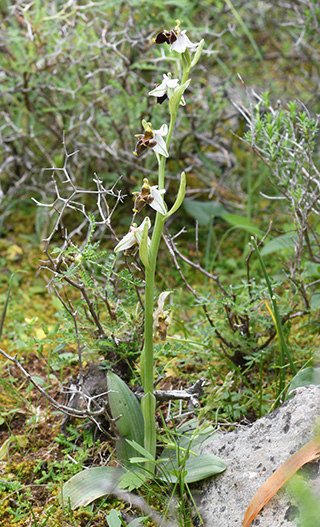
147, 373
171, 126
148, 402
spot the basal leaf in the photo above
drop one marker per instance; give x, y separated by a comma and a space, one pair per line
197, 468
90, 484
204, 211
242, 222
285, 241
304, 377
123, 402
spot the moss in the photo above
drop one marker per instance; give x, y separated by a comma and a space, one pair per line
23, 470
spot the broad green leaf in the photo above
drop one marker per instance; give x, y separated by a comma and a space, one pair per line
113, 518
311, 269
196, 467
204, 211
122, 402
285, 241
304, 377
190, 435
89, 485
242, 222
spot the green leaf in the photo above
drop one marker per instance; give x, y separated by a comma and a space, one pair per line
114, 519
90, 484
180, 196
141, 450
197, 54
285, 241
204, 211
137, 521
123, 402
304, 377
242, 222
176, 97
311, 270
190, 437
133, 479
197, 468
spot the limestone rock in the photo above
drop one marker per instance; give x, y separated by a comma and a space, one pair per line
252, 453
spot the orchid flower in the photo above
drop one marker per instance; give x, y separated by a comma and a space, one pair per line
152, 139
151, 196
177, 39
166, 89
157, 203
133, 237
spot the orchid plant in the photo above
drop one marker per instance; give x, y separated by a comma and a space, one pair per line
136, 424
173, 91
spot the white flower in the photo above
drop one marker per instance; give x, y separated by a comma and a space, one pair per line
158, 136
182, 43
157, 203
133, 237
166, 89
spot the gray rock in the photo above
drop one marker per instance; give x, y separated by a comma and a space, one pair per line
252, 453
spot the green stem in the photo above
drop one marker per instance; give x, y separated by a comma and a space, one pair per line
168, 141
147, 371
148, 402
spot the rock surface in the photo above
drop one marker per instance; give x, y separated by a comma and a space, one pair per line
252, 453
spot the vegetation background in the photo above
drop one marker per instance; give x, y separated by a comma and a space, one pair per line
74, 82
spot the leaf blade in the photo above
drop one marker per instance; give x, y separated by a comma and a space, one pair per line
89, 485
